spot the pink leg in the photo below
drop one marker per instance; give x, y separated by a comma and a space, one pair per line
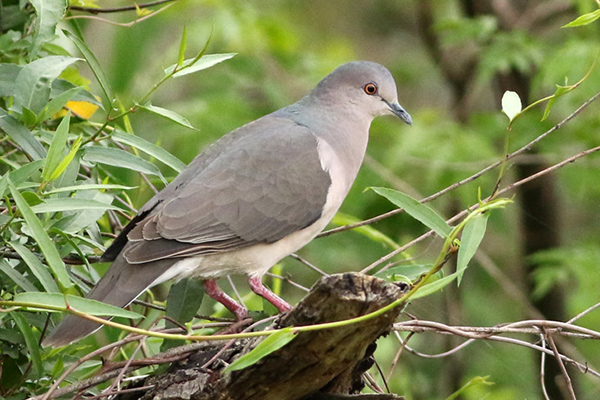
214, 292
257, 287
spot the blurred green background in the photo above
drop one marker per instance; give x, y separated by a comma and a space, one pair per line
447, 57
452, 60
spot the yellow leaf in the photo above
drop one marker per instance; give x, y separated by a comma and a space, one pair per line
81, 109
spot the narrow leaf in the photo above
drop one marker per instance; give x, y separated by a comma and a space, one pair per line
21, 135
31, 342
583, 19
57, 148
120, 158
70, 204
41, 237
57, 104
404, 273
434, 286
511, 104
16, 277
60, 86
415, 209
171, 115
182, 47
37, 268
269, 345
471, 239
560, 90
64, 163
149, 148
37, 300
22, 174
366, 230
95, 67
206, 61
89, 186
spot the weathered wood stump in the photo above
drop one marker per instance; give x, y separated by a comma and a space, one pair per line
316, 365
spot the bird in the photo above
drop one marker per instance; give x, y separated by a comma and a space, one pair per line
253, 197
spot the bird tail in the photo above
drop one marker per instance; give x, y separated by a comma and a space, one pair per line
121, 284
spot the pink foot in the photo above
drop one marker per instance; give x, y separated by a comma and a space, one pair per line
214, 292
257, 287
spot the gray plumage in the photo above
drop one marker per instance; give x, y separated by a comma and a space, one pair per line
253, 197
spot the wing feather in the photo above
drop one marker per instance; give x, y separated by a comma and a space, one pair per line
258, 184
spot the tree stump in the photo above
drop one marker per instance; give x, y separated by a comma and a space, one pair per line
317, 365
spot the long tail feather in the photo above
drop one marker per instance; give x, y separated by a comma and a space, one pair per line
121, 284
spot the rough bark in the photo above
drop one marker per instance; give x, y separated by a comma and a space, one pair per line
318, 365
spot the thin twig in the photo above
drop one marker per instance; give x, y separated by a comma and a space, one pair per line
543, 367
561, 366
94, 10
308, 264
125, 24
581, 314
475, 206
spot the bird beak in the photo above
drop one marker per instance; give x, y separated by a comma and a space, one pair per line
399, 111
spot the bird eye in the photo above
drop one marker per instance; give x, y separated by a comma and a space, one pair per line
370, 89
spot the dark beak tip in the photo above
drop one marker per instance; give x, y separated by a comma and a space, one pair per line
400, 112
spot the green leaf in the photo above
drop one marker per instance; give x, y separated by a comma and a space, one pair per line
57, 103
415, 209
434, 286
560, 90
8, 76
365, 230
20, 175
39, 234
149, 148
70, 204
182, 47
584, 19
404, 273
60, 86
192, 65
57, 148
31, 341
171, 115
33, 84
511, 104
48, 15
64, 163
184, 300
472, 236
89, 186
474, 382
36, 301
269, 345
16, 277
120, 158
37, 268
95, 67
21, 135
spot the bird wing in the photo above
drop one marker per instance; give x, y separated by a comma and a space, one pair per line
258, 184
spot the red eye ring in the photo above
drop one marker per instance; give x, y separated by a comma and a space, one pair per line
370, 88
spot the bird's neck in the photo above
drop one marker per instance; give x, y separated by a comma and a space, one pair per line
344, 127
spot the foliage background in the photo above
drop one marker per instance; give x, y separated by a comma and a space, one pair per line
451, 61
